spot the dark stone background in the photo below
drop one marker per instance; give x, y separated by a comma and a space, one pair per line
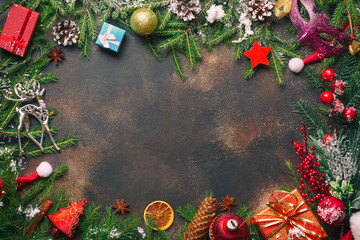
145, 134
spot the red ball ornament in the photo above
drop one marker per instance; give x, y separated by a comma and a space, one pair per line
327, 97
328, 138
328, 74
349, 114
338, 87
226, 226
331, 211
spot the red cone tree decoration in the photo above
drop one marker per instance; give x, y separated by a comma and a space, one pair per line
67, 219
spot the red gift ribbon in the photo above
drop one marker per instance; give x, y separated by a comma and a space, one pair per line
15, 43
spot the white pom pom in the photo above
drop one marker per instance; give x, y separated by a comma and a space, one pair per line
355, 225
296, 65
44, 169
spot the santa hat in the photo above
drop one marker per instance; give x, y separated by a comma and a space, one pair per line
296, 65
355, 225
43, 170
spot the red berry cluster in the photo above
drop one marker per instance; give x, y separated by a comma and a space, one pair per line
311, 176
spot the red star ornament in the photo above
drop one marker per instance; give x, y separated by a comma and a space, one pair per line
258, 55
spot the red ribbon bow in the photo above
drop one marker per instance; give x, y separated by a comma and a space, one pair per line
15, 43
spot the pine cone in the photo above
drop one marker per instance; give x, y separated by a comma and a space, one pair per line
186, 9
199, 226
259, 9
66, 32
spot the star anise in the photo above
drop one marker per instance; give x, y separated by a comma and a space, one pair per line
226, 203
121, 207
56, 55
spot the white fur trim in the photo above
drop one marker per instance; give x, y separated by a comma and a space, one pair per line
44, 169
355, 225
296, 65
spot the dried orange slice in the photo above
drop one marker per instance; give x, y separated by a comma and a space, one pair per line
162, 214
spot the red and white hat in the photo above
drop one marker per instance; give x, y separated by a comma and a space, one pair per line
296, 65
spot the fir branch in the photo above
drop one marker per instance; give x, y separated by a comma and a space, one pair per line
152, 49
285, 50
164, 19
293, 174
91, 28
86, 48
187, 212
62, 143
312, 118
91, 217
44, 185
250, 71
277, 66
314, 79
60, 200
59, 6
177, 62
338, 15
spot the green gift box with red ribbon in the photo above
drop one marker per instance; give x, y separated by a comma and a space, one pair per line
18, 29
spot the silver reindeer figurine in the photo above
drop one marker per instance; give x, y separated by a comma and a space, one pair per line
39, 112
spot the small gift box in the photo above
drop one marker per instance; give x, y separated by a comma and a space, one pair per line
110, 37
18, 29
288, 216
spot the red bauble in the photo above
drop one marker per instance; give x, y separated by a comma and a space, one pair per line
331, 211
337, 106
328, 138
349, 114
338, 87
327, 97
328, 74
67, 219
226, 226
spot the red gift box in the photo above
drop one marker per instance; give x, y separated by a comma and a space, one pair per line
18, 29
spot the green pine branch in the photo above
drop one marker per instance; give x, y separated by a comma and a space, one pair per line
311, 116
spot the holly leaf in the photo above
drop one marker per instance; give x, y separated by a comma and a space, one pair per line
355, 204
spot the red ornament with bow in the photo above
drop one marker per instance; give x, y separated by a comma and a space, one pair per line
67, 219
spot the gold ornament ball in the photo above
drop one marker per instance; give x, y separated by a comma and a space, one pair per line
143, 21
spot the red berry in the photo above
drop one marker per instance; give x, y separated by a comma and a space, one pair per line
349, 114
337, 106
327, 97
328, 138
328, 74
338, 87
331, 211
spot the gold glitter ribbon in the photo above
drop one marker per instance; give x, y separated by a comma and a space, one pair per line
283, 218
282, 8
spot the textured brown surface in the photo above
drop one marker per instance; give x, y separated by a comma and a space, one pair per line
145, 135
